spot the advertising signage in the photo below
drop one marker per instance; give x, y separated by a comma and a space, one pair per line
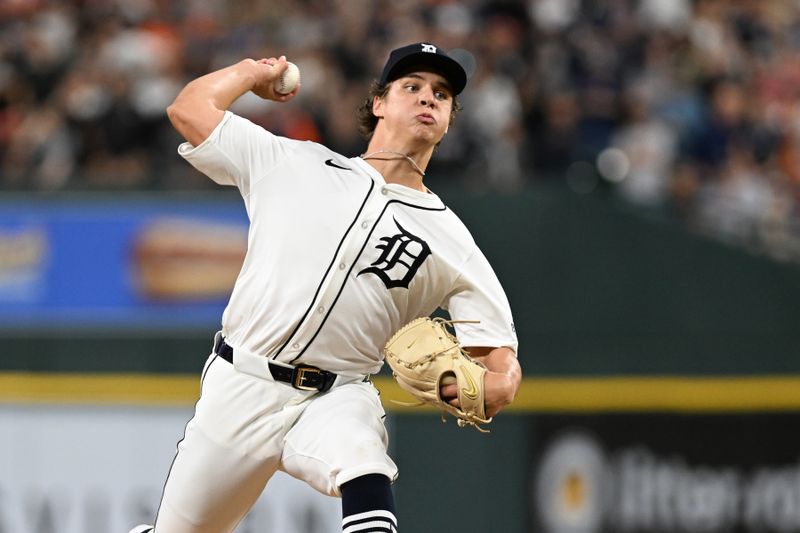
663, 473
118, 264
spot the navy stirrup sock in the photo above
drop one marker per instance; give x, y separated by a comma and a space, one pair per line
368, 505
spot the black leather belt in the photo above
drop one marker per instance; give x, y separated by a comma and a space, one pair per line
302, 377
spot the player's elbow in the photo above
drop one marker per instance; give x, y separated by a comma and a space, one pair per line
172, 114
180, 120
178, 114
192, 120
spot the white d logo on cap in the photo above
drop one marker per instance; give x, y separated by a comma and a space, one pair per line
429, 48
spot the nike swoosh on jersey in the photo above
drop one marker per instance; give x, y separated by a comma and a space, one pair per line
330, 163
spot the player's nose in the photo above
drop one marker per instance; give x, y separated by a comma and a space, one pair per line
426, 97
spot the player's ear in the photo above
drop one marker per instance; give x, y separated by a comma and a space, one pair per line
377, 106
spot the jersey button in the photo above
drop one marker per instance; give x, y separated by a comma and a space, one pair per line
296, 346
384, 191
365, 224
320, 309
342, 266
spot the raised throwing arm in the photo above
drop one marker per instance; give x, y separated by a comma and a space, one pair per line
202, 103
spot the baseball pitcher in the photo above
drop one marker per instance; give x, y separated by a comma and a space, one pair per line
347, 257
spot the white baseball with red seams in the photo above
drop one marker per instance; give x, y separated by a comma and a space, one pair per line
288, 80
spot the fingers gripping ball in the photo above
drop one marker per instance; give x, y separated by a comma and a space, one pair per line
288, 80
424, 355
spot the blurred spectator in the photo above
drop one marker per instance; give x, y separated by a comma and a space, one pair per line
737, 203
553, 135
493, 114
39, 154
687, 106
650, 146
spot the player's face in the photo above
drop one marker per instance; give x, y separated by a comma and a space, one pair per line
417, 104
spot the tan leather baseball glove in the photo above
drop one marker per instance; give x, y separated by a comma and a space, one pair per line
423, 355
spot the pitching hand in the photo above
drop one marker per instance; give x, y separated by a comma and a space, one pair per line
268, 71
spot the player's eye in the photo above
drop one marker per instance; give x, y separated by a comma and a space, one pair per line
412, 87
441, 95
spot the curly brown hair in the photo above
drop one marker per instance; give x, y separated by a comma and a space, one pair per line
367, 120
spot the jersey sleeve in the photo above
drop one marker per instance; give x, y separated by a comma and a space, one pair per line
236, 152
478, 295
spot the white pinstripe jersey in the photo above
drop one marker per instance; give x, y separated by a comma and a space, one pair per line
338, 259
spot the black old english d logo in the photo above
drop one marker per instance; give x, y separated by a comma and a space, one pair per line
400, 258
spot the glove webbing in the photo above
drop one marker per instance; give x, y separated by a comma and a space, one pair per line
431, 357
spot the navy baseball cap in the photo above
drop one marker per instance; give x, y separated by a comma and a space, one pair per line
424, 54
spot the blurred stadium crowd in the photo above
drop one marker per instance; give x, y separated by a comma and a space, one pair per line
684, 107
